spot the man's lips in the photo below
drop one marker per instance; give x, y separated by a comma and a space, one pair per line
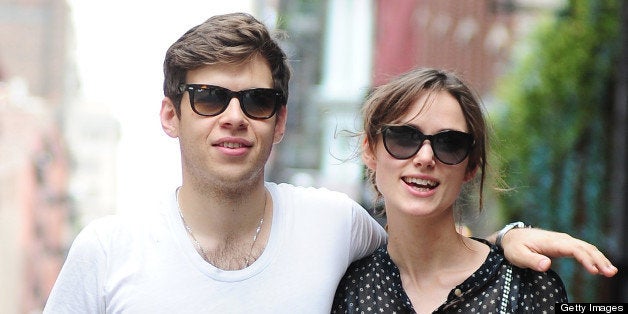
234, 147
233, 143
230, 145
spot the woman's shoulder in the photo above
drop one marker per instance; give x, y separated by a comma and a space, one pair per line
535, 289
532, 281
372, 282
532, 290
371, 266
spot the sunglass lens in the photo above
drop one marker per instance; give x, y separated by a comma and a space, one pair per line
260, 103
210, 101
402, 142
452, 147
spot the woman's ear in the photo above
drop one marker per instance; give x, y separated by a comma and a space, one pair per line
470, 174
368, 155
169, 118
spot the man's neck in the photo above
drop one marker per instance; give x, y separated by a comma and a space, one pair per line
217, 208
232, 228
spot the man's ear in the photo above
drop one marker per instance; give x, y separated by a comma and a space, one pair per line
169, 118
280, 124
368, 155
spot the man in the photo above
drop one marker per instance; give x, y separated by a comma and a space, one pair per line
227, 241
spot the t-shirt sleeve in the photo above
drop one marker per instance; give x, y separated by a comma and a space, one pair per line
79, 286
366, 233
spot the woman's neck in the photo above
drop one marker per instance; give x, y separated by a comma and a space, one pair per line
422, 245
432, 258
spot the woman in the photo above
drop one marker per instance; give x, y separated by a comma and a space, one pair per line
425, 136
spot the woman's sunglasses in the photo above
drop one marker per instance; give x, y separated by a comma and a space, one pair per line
404, 141
256, 103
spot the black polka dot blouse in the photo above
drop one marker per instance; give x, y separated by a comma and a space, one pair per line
373, 285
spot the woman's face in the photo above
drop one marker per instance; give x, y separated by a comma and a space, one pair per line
421, 186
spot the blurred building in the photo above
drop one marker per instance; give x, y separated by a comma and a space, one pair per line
330, 47
34, 201
34, 171
472, 38
56, 153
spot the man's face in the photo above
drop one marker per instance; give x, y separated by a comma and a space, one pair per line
230, 149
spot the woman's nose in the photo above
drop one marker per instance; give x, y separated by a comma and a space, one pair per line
425, 155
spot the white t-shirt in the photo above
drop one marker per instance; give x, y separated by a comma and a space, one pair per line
147, 264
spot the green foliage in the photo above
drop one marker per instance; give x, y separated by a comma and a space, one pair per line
556, 145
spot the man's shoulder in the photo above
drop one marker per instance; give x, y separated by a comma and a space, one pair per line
314, 199
309, 193
122, 226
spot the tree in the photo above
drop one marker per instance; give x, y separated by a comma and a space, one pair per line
556, 143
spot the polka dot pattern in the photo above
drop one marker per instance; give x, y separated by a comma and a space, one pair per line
373, 285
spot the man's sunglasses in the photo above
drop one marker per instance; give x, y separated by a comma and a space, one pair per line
256, 103
404, 141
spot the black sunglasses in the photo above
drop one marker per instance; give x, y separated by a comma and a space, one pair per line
404, 141
256, 103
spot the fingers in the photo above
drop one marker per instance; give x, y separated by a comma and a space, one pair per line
523, 256
535, 261
609, 270
588, 255
594, 261
529, 259
543, 264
